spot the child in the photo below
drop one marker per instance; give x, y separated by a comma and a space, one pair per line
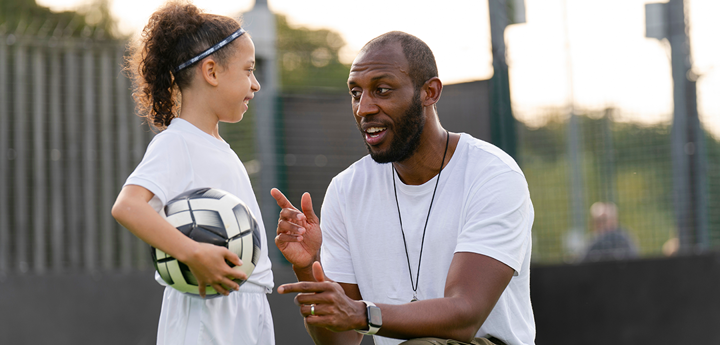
193, 70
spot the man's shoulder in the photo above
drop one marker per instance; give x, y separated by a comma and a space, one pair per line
481, 155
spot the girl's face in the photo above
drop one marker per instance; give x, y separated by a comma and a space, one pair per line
237, 83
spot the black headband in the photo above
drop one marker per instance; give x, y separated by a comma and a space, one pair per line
211, 50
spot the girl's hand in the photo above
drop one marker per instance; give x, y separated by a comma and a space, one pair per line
207, 264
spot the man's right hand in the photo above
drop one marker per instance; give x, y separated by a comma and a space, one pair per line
298, 233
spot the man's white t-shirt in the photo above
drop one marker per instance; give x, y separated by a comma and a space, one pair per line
178, 159
482, 205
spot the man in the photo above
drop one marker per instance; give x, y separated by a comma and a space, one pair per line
611, 242
446, 225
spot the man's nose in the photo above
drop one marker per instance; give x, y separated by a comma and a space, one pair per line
366, 106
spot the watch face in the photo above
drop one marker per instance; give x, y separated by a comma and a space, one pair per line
374, 316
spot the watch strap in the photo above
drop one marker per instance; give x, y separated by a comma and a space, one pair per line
371, 328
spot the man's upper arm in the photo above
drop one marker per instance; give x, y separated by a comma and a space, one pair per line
479, 280
352, 291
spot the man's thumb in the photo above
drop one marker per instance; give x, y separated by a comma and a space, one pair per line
318, 272
307, 206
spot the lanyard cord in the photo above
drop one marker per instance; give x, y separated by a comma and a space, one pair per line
416, 283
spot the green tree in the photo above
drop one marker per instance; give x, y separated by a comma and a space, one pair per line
308, 59
26, 17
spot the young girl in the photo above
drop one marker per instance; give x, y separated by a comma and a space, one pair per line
193, 70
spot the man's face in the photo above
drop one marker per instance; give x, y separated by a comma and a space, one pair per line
387, 107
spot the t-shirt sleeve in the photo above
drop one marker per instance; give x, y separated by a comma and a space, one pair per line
165, 169
335, 251
498, 219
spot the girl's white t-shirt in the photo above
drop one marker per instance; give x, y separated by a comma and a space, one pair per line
181, 158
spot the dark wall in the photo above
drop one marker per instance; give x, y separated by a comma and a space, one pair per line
466, 108
111, 309
650, 301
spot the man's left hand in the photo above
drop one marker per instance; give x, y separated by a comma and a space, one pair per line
333, 309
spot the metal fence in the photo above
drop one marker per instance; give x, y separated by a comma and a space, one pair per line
68, 140
614, 160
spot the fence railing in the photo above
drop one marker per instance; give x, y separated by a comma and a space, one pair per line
68, 140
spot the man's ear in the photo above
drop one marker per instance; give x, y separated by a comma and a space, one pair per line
209, 70
431, 91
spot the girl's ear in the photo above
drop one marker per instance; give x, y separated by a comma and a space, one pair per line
209, 70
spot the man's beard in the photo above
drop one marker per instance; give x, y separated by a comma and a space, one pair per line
407, 135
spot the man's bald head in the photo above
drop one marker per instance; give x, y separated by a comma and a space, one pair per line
421, 61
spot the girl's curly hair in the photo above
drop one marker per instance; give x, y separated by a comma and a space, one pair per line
174, 34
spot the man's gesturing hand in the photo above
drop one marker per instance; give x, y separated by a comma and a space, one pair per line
298, 233
333, 309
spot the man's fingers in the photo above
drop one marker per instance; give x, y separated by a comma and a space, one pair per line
284, 238
307, 206
291, 215
282, 201
302, 287
318, 273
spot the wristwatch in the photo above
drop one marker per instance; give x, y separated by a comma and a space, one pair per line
374, 319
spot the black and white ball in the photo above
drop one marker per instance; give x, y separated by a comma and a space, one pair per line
213, 216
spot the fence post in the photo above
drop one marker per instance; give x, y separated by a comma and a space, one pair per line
39, 182
4, 162
89, 158
20, 154
57, 155
72, 190
106, 158
123, 154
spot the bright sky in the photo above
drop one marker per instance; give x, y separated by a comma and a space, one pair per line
612, 64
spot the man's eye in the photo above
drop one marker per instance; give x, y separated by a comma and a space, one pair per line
355, 93
383, 90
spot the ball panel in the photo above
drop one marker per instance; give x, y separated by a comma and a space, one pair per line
178, 278
187, 275
242, 215
176, 205
214, 193
162, 269
181, 219
256, 243
209, 228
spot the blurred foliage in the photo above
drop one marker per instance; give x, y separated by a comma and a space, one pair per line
26, 17
308, 59
627, 163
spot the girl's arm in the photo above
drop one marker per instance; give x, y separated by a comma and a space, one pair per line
206, 261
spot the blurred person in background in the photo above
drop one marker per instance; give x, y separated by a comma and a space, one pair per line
610, 241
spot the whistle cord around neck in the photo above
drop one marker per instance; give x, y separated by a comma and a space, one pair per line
416, 282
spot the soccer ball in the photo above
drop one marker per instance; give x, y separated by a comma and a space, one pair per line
213, 216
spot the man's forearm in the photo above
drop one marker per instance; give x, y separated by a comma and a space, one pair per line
324, 336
